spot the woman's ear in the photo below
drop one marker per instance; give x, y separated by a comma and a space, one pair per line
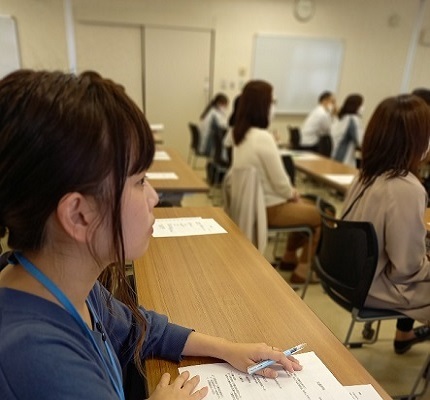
76, 214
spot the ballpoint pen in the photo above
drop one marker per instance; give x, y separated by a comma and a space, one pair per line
263, 364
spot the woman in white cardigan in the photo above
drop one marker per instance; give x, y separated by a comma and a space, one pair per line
388, 193
255, 146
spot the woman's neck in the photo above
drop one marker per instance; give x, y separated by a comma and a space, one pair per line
74, 276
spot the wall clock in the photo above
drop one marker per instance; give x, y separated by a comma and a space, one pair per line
304, 9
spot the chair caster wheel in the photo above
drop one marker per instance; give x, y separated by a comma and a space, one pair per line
368, 332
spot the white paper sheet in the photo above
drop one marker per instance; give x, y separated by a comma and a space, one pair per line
192, 226
343, 179
299, 154
315, 381
161, 175
161, 155
156, 127
363, 392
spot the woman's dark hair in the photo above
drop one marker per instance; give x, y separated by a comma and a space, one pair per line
396, 138
62, 133
219, 99
423, 93
351, 105
232, 119
253, 111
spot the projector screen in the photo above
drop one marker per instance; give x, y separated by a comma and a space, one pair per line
299, 68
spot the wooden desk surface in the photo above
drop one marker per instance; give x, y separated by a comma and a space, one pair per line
188, 180
320, 166
158, 138
221, 285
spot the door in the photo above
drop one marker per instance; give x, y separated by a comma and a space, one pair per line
177, 80
115, 51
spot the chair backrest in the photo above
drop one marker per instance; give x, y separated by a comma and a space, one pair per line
294, 137
195, 136
325, 145
289, 167
218, 137
346, 258
244, 203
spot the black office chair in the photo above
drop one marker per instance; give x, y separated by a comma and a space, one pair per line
217, 166
345, 262
325, 145
294, 132
289, 167
194, 151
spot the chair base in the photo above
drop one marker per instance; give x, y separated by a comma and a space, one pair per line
368, 316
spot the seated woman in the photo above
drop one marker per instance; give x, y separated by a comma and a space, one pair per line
255, 146
75, 203
388, 193
347, 131
214, 116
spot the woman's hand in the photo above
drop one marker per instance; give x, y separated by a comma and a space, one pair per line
239, 355
295, 197
243, 355
181, 388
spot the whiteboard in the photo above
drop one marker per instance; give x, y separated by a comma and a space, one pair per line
299, 69
9, 47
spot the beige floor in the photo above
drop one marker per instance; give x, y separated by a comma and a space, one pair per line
396, 373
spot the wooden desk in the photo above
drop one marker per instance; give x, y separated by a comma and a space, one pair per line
188, 180
319, 166
158, 138
221, 285
156, 130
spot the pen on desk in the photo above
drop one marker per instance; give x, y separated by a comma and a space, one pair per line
263, 364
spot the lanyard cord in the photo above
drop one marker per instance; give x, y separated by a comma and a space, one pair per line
113, 370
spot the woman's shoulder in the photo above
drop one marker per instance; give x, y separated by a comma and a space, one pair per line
263, 138
259, 133
401, 182
384, 186
400, 189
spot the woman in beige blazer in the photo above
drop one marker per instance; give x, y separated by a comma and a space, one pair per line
388, 193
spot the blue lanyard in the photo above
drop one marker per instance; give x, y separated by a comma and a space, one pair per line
112, 369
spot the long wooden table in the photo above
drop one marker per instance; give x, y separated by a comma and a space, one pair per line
221, 285
188, 180
318, 167
173, 190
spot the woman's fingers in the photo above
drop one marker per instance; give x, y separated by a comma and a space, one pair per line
165, 380
200, 394
181, 379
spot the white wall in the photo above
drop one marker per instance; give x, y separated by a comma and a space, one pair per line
41, 32
375, 52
